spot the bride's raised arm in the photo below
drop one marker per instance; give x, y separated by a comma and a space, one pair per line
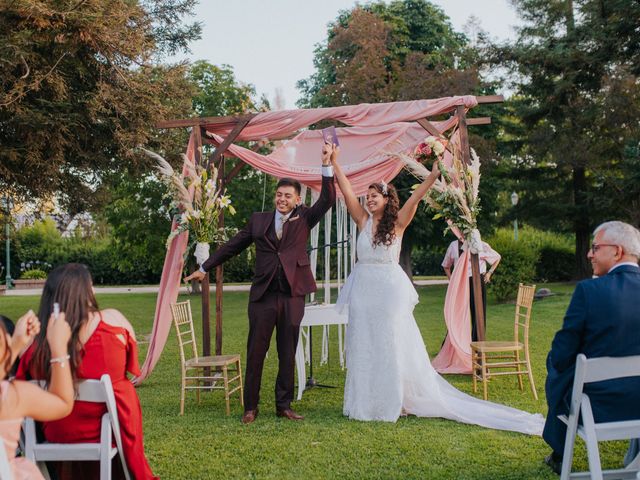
408, 210
357, 211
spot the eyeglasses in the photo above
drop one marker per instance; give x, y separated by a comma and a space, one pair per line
596, 246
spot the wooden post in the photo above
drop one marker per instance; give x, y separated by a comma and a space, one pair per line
204, 293
219, 270
475, 259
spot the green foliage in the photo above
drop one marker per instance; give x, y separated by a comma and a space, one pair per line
326, 444
537, 256
80, 89
572, 124
219, 93
384, 52
518, 264
33, 274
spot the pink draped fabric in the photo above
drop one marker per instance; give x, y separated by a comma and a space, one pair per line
455, 354
376, 131
366, 153
283, 123
168, 292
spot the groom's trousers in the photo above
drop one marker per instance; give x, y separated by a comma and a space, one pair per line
276, 309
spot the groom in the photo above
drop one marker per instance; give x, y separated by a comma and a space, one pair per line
282, 279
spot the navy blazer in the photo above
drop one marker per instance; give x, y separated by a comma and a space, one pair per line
603, 320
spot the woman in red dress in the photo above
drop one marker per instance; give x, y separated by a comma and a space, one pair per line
101, 342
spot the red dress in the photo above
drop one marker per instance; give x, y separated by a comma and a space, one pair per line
114, 351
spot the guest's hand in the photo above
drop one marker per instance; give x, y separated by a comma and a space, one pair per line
487, 277
27, 327
197, 275
58, 335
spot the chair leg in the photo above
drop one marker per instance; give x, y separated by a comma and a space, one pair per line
182, 392
474, 359
530, 374
517, 358
593, 454
105, 447
199, 383
225, 374
241, 384
485, 394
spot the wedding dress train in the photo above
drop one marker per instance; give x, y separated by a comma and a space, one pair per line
388, 368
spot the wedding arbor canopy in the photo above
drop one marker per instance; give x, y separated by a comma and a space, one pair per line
373, 135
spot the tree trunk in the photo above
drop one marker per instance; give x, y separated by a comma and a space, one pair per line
581, 223
405, 257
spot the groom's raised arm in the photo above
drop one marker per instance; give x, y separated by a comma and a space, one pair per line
327, 197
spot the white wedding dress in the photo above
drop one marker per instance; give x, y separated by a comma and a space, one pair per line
388, 369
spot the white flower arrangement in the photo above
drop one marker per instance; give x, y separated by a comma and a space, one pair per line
454, 195
199, 216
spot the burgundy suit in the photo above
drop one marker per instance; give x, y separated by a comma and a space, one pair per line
282, 278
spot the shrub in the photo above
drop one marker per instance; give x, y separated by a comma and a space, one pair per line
556, 264
518, 265
427, 261
537, 256
33, 274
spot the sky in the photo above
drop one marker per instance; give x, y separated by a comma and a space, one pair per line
270, 43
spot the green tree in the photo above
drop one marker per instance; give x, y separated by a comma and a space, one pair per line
81, 87
575, 67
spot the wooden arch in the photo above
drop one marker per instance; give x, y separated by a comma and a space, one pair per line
239, 122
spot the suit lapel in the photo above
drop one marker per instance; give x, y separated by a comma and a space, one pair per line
269, 219
294, 213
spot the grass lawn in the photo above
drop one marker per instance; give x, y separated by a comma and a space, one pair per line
205, 443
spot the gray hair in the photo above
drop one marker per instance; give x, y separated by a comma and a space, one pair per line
623, 234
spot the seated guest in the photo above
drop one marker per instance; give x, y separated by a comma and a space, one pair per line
102, 342
19, 399
603, 320
24, 333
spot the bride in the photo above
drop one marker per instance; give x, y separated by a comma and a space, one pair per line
388, 369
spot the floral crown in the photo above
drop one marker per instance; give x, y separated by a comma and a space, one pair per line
384, 187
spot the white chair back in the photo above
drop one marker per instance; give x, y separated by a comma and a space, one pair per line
95, 391
589, 371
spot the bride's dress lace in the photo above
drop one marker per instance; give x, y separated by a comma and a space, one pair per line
388, 368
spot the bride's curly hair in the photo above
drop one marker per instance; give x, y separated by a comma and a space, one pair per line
385, 233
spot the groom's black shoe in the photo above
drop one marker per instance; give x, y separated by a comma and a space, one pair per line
554, 461
289, 414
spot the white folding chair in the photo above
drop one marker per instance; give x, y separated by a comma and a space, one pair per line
5, 467
96, 391
589, 371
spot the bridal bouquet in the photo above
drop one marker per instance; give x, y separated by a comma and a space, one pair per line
199, 216
454, 196
430, 150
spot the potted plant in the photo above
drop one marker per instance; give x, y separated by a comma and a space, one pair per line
32, 275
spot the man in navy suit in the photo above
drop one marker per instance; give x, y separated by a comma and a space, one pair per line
603, 320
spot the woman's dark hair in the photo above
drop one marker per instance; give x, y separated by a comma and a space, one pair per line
69, 285
289, 182
386, 231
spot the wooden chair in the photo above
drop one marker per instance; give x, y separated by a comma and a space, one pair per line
496, 358
588, 371
198, 372
97, 391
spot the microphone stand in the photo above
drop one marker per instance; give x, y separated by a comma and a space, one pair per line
311, 381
